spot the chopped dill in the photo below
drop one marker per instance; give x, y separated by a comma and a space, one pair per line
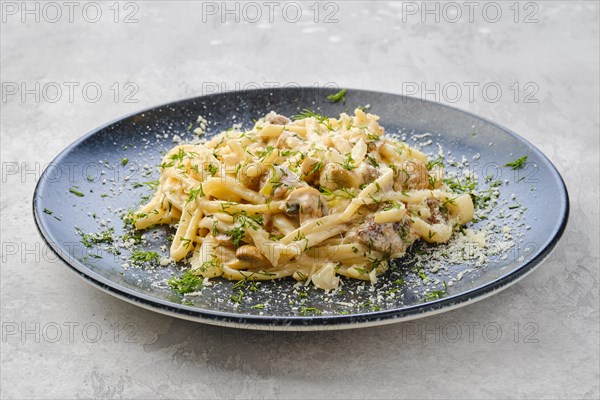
434, 295
194, 193
212, 169
187, 283
306, 113
237, 235
372, 161
349, 163
517, 164
145, 256
438, 162
186, 242
310, 311
339, 96
76, 192
89, 240
152, 184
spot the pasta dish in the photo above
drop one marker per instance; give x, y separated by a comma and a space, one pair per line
312, 197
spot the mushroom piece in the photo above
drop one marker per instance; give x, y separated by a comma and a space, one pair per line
278, 182
250, 175
368, 173
344, 178
223, 239
411, 175
335, 176
437, 211
390, 238
250, 257
311, 168
277, 119
287, 181
307, 203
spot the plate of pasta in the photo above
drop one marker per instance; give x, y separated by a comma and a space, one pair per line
301, 208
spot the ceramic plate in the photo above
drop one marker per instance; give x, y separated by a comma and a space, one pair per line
109, 171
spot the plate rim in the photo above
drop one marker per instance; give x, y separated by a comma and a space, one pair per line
292, 322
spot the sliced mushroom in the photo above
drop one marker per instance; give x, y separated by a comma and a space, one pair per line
223, 239
344, 178
277, 119
311, 168
373, 146
279, 182
334, 176
307, 203
437, 214
368, 173
250, 257
250, 175
411, 175
287, 182
391, 238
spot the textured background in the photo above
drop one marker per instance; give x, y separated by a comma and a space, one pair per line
548, 346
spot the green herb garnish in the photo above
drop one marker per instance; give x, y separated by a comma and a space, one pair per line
306, 113
373, 161
310, 310
187, 283
341, 95
212, 169
517, 164
194, 193
186, 242
76, 192
89, 240
145, 256
152, 184
349, 163
439, 162
318, 165
237, 235
434, 295
467, 185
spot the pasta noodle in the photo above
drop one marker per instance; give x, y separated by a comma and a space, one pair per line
313, 199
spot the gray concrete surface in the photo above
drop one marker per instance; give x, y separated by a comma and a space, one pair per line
62, 338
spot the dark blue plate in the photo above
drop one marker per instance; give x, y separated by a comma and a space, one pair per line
102, 174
